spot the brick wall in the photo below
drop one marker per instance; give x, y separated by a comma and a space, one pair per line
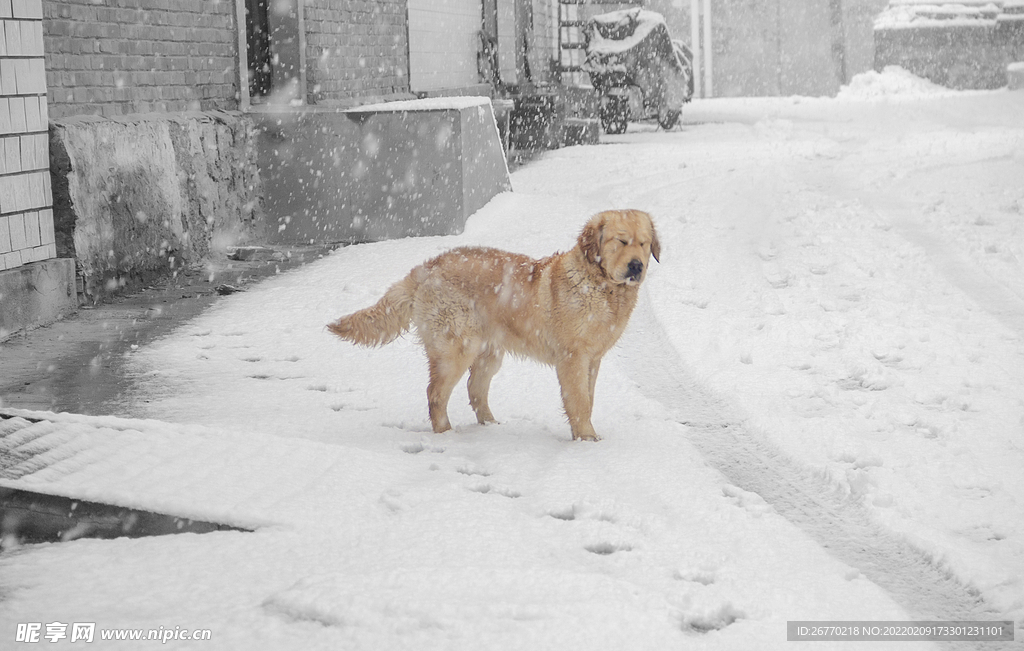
355, 48
140, 56
144, 56
26, 219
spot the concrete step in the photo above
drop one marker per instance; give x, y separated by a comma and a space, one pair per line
103, 476
581, 131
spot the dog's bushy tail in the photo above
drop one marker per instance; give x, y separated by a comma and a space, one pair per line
381, 323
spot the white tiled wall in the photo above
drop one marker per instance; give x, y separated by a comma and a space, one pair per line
26, 217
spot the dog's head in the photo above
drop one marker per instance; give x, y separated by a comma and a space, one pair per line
621, 243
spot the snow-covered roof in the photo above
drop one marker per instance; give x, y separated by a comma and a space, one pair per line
925, 13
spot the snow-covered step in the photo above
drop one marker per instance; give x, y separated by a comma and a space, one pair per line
237, 479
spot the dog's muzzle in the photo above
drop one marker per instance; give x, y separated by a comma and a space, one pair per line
634, 270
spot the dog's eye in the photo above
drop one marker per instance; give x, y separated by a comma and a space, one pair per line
624, 242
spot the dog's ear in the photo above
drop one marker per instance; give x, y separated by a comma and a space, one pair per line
590, 239
655, 244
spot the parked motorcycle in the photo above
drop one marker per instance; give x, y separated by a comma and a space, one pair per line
639, 72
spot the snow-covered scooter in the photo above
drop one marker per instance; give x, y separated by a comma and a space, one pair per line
639, 72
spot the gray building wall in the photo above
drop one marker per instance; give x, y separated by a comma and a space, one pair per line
783, 47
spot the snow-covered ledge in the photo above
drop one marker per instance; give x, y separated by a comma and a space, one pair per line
381, 171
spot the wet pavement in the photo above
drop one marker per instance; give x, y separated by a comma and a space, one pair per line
78, 364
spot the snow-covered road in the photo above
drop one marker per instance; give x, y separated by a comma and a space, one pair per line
816, 414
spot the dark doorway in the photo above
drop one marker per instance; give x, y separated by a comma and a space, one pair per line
257, 38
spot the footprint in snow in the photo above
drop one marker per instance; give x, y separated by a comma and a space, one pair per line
574, 511
485, 489
580, 513
712, 620
607, 548
471, 470
419, 446
702, 576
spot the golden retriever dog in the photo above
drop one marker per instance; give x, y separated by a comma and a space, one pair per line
473, 305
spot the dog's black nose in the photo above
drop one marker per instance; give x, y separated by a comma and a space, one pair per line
634, 268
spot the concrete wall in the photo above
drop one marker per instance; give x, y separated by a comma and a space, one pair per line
783, 47
962, 56
859, 34
379, 172
444, 37
35, 294
778, 47
143, 195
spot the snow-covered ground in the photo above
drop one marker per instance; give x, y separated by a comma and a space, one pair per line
840, 294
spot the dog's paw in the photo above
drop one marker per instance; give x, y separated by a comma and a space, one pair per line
586, 437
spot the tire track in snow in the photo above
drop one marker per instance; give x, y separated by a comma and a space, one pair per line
993, 297
923, 588
889, 205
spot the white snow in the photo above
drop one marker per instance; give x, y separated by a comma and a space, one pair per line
424, 104
646, 22
843, 276
894, 83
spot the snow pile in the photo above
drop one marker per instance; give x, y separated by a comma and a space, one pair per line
424, 104
894, 82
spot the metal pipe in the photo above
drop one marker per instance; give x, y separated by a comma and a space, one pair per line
695, 47
708, 75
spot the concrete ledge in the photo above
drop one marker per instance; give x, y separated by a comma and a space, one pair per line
36, 294
399, 169
1015, 76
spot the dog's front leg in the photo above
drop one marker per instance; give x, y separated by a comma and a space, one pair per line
595, 366
574, 376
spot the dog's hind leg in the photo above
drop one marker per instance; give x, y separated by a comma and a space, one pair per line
480, 374
446, 368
